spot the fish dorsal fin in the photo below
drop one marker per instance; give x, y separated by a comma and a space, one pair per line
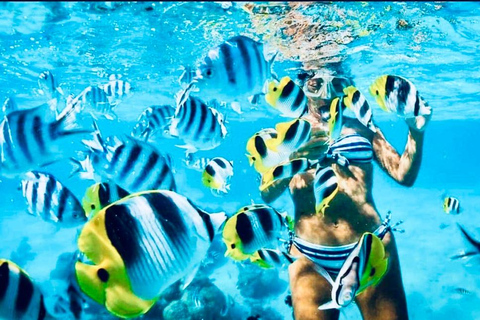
9, 105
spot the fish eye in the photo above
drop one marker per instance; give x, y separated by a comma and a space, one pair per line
92, 207
376, 92
274, 89
253, 158
208, 72
233, 246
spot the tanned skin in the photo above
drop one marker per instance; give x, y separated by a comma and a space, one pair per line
351, 213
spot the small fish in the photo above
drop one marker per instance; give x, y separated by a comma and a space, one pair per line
259, 155
196, 164
153, 119
132, 164
217, 174
335, 122
355, 101
49, 85
116, 89
290, 136
32, 138
451, 205
234, 71
364, 267
9, 106
287, 97
49, 199
286, 170
269, 258
462, 291
100, 195
252, 228
198, 125
20, 297
325, 187
397, 94
351, 148
94, 100
137, 247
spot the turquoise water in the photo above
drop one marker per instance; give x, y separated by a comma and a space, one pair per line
149, 43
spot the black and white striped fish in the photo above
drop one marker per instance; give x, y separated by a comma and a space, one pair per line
20, 297
117, 89
291, 135
31, 138
325, 187
160, 236
154, 119
198, 125
272, 258
451, 205
287, 97
356, 101
9, 106
234, 71
94, 100
351, 148
132, 164
397, 94
252, 228
49, 199
49, 85
217, 175
286, 170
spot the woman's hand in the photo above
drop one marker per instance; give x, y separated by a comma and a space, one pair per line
420, 122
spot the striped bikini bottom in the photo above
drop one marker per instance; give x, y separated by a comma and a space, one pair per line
331, 258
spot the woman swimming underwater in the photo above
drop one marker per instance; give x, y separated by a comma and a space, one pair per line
327, 240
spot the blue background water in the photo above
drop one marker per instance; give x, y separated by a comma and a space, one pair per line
81, 43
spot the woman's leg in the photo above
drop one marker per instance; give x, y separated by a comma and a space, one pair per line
386, 301
309, 290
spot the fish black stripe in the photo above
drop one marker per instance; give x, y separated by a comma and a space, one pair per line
122, 193
116, 156
25, 293
206, 219
449, 202
305, 133
62, 203
209, 169
363, 109
42, 312
246, 60
152, 160
325, 176
213, 123
191, 116
131, 160
22, 137
288, 257
355, 97
220, 163
225, 50
292, 131
402, 96
104, 194
329, 190
417, 106
261, 254
123, 232
298, 101
296, 166
159, 181
277, 172
34, 196
48, 196
287, 90
37, 130
169, 216
244, 228
4, 279
204, 113
389, 85
260, 146
265, 219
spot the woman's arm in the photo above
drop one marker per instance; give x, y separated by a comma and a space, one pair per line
403, 169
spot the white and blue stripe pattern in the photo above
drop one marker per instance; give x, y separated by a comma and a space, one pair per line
352, 148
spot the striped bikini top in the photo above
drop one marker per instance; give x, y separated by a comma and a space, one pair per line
351, 148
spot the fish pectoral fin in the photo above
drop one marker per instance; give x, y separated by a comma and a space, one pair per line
236, 107
329, 305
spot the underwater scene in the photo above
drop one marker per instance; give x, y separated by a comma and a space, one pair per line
239, 160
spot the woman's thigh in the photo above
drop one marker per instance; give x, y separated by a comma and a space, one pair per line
309, 290
386, 301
